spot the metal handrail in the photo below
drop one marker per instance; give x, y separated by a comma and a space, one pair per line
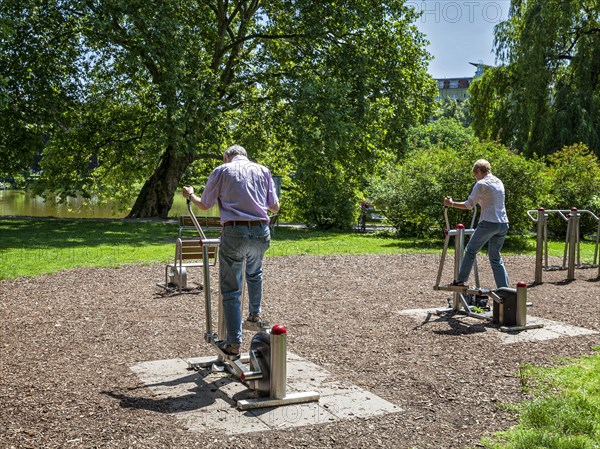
562, 213
194, 219
448, 220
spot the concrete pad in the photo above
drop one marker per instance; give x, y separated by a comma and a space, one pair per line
551, 329
204, 400
294, 415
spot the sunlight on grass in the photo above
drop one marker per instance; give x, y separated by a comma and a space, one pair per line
34, 247
565, 409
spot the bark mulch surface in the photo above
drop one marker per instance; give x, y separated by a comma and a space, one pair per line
67, 341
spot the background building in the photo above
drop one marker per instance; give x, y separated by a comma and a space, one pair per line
453, 88
457, 88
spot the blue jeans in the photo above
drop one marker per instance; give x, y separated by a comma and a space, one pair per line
239, 243
494, 234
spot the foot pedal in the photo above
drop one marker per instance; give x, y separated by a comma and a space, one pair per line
481, 301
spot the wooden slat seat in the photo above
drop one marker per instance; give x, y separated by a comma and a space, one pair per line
188, 254
206, 223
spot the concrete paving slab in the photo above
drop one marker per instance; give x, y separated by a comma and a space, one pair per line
294, 415
551, 329
358, 404
204, 400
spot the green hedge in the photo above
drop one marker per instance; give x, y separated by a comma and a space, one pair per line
414, 191
573, 175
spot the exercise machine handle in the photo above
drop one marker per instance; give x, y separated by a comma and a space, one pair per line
194, 219
448, 221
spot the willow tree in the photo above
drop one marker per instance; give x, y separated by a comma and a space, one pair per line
546, 92
154, 86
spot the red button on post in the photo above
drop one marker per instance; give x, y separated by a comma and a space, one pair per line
278, 329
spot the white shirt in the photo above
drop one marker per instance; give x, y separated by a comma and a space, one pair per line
488, 192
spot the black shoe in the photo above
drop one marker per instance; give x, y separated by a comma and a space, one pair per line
456, 283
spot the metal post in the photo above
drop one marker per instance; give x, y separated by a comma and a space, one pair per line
221, 331
278, 361
567, 242
459, 244
443, 257
278, 377
539, 247
207, 305
521, 318
546, 240
596, 261
573, 225
577, 239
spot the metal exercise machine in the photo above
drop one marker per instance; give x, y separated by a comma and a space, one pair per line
264, 368
509, 309
571, 254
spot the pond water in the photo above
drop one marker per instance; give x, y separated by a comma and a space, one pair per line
24, 204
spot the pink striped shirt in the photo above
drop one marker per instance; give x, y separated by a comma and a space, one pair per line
244, 190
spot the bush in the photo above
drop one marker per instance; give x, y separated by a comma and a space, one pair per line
573, 175
327, 200
444, 132
414, 191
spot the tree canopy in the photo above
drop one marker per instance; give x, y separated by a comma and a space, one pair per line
124, 97
546, 92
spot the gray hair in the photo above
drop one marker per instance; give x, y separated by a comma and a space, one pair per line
235, 150
483, 166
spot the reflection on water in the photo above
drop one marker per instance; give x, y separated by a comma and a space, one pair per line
24, 204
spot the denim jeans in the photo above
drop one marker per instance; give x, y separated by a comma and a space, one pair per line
239, 243
494, 234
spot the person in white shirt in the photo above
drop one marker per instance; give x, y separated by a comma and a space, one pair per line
488, 193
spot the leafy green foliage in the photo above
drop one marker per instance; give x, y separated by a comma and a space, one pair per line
574, 175
574, 178
444, 132
490, 107
414, 192
450, 108
546, 93
38, 78
148, 94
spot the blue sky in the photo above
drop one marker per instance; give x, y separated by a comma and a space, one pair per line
459, 32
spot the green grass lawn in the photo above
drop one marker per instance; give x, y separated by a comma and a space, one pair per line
564, 412
34, 247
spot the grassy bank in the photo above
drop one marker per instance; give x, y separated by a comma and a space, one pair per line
34, 247
564, 412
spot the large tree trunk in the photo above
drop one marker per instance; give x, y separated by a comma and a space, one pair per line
156, 197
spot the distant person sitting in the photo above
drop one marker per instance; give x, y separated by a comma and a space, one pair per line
245, 192
488, 193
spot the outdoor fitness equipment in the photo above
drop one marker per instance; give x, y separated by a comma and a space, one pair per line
571, 255
510, 305
264, 368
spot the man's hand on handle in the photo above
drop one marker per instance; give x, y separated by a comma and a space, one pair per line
187, 192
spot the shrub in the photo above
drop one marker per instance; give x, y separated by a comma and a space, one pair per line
414, 191
327, 199
574, 178
445, 132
